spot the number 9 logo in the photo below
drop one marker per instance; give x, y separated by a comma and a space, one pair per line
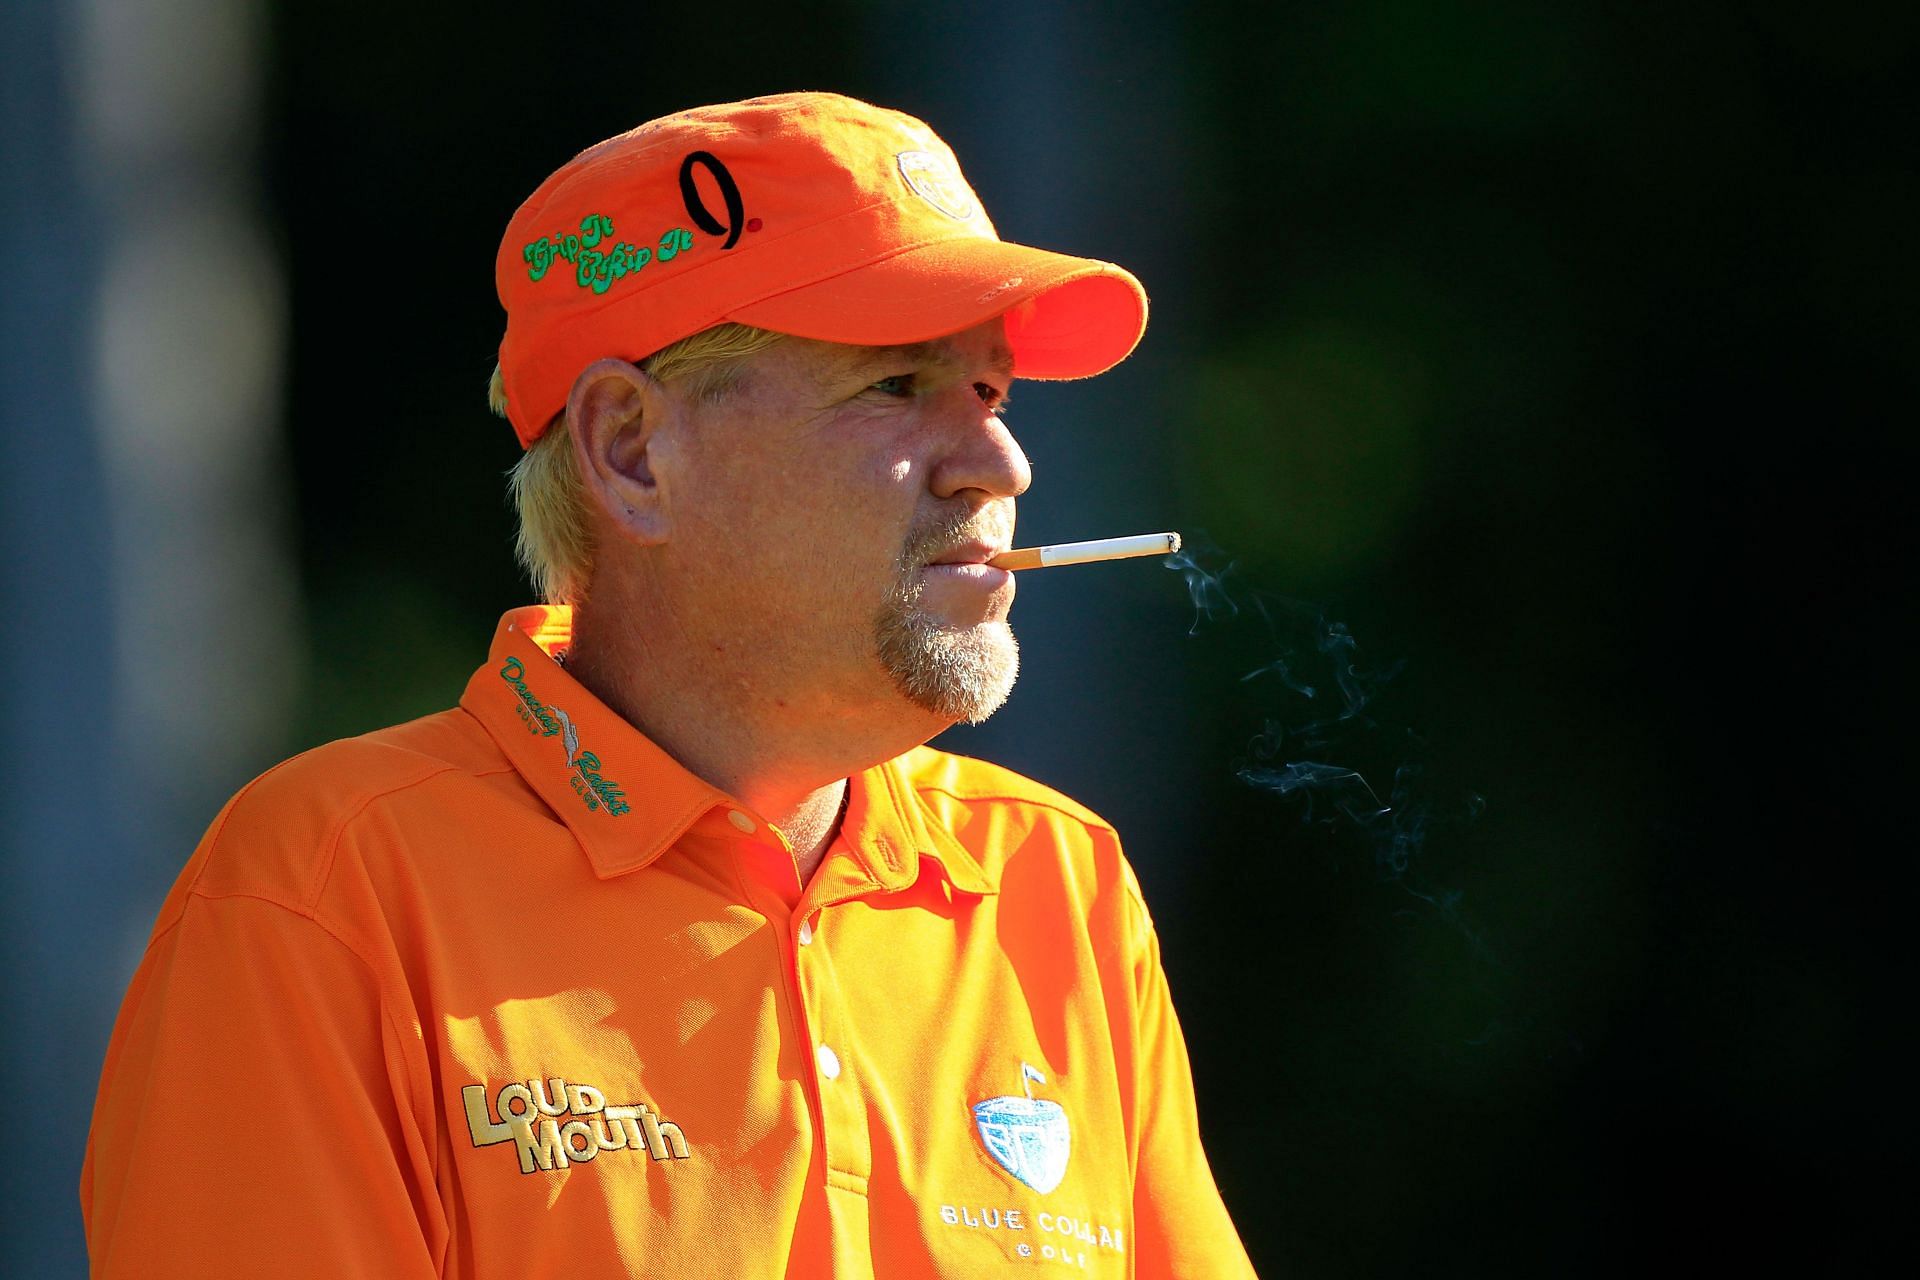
729, 192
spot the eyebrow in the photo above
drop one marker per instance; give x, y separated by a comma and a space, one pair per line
935, 351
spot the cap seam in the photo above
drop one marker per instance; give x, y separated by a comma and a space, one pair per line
891, 253
839, 269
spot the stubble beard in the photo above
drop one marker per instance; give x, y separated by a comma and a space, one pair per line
956, 673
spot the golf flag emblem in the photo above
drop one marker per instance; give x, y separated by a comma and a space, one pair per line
1028, 1136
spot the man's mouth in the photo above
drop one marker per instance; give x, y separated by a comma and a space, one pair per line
966, 553
965, 568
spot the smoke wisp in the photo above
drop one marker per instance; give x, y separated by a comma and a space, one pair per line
1322, 744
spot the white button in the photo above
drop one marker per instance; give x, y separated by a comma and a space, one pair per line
806, 932
829, 1062
740, 820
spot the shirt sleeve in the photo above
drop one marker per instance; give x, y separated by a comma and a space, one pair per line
254, 1115
1181, 1227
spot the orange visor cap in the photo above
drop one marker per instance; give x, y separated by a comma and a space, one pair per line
810, 214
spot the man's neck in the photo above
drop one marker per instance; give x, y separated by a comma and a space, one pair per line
813, 828
789, 767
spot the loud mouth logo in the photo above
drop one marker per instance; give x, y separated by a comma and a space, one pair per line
534, 1117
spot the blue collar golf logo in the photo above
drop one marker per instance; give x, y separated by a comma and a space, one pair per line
1028, 1136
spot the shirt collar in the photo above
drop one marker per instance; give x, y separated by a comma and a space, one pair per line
624, 798
627, 801
888, 830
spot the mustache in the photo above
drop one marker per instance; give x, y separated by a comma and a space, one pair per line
992, 524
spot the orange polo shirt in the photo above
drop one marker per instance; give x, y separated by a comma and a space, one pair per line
507, 992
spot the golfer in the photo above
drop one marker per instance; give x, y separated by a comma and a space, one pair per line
672, 950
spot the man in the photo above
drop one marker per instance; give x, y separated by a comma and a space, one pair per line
671, 950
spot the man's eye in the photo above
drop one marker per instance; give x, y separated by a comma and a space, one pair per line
900, 384
991, 396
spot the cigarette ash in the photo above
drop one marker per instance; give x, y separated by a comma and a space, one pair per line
1323, 741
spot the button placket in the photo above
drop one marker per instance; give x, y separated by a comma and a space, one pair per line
812, 972
846, 1141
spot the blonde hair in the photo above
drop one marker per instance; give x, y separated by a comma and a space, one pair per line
555, 539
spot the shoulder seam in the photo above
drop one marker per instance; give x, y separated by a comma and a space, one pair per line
212, 840
331, 845
1037, 802
327, 846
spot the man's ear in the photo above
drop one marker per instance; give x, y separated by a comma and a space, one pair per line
622, 444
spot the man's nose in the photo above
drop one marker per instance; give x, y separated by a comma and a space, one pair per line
983, 456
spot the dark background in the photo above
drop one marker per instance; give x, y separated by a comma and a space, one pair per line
1564, 355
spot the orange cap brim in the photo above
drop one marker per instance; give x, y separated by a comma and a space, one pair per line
1085, 316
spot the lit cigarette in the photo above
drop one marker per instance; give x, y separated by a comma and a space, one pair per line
1141, 544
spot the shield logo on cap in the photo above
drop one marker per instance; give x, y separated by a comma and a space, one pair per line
934, 181
1028, 1136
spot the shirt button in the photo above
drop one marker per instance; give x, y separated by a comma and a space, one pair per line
829, 1062
806, 932
740, 820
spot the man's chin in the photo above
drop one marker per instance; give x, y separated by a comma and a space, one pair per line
959, 674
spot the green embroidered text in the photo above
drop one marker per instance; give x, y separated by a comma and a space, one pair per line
533, 712
597, 263
587, 769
